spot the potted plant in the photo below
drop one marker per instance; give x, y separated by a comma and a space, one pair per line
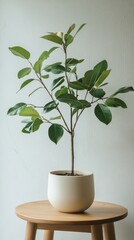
78, 94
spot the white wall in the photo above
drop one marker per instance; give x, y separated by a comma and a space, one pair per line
107, 151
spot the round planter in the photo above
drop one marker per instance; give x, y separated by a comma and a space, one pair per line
70, 193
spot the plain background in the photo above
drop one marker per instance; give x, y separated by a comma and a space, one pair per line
108, 151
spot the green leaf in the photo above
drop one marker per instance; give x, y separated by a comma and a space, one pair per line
103, 113
67, 98
92, 76
123, 90
74, 70
20, 52
80, 104
55, 132
68, 39
76, 104
55, 118
101, 66
71, 28
32, 126
23, 72
102, 85
53, 38
45, 76
55, 68
102, 77
80, 28
26, 83
52, 49
16, 109
63, 90
78, 85
46, 54
36, 124
73, 61
27, 128
97, 92
37, 66
85, 103
88, 79
75, 110
34, 91
43, 56
57, 82
29, 111
98, 70
50, 106
115, 102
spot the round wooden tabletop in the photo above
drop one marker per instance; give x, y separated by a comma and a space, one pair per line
98, 213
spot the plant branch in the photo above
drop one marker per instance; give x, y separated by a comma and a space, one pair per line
42, 83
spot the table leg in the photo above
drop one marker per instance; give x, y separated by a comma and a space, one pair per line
109, 231
48, 235
96, 232
30, 231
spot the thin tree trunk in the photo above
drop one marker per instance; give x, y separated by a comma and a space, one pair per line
72, 142
72, 153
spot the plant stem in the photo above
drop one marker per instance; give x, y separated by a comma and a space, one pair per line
72, 142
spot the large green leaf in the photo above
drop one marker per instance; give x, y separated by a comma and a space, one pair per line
123, 90
16, 109
67, 98
77, 85
53, 38
55, 132
103, 113
25, 83
102, 77
23, 72
29, 111
38, 66
93, 75
44, 55
20, 52
101, 66
63, 90
115, 102
57, 82
50, 106
97, 92
88, 79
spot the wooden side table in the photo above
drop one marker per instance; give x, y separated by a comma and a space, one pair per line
98, 220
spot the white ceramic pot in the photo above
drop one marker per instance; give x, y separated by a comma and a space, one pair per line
70, 193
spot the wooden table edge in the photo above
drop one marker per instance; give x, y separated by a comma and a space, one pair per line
73, 223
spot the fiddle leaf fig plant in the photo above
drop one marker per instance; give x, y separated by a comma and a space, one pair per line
61, 82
